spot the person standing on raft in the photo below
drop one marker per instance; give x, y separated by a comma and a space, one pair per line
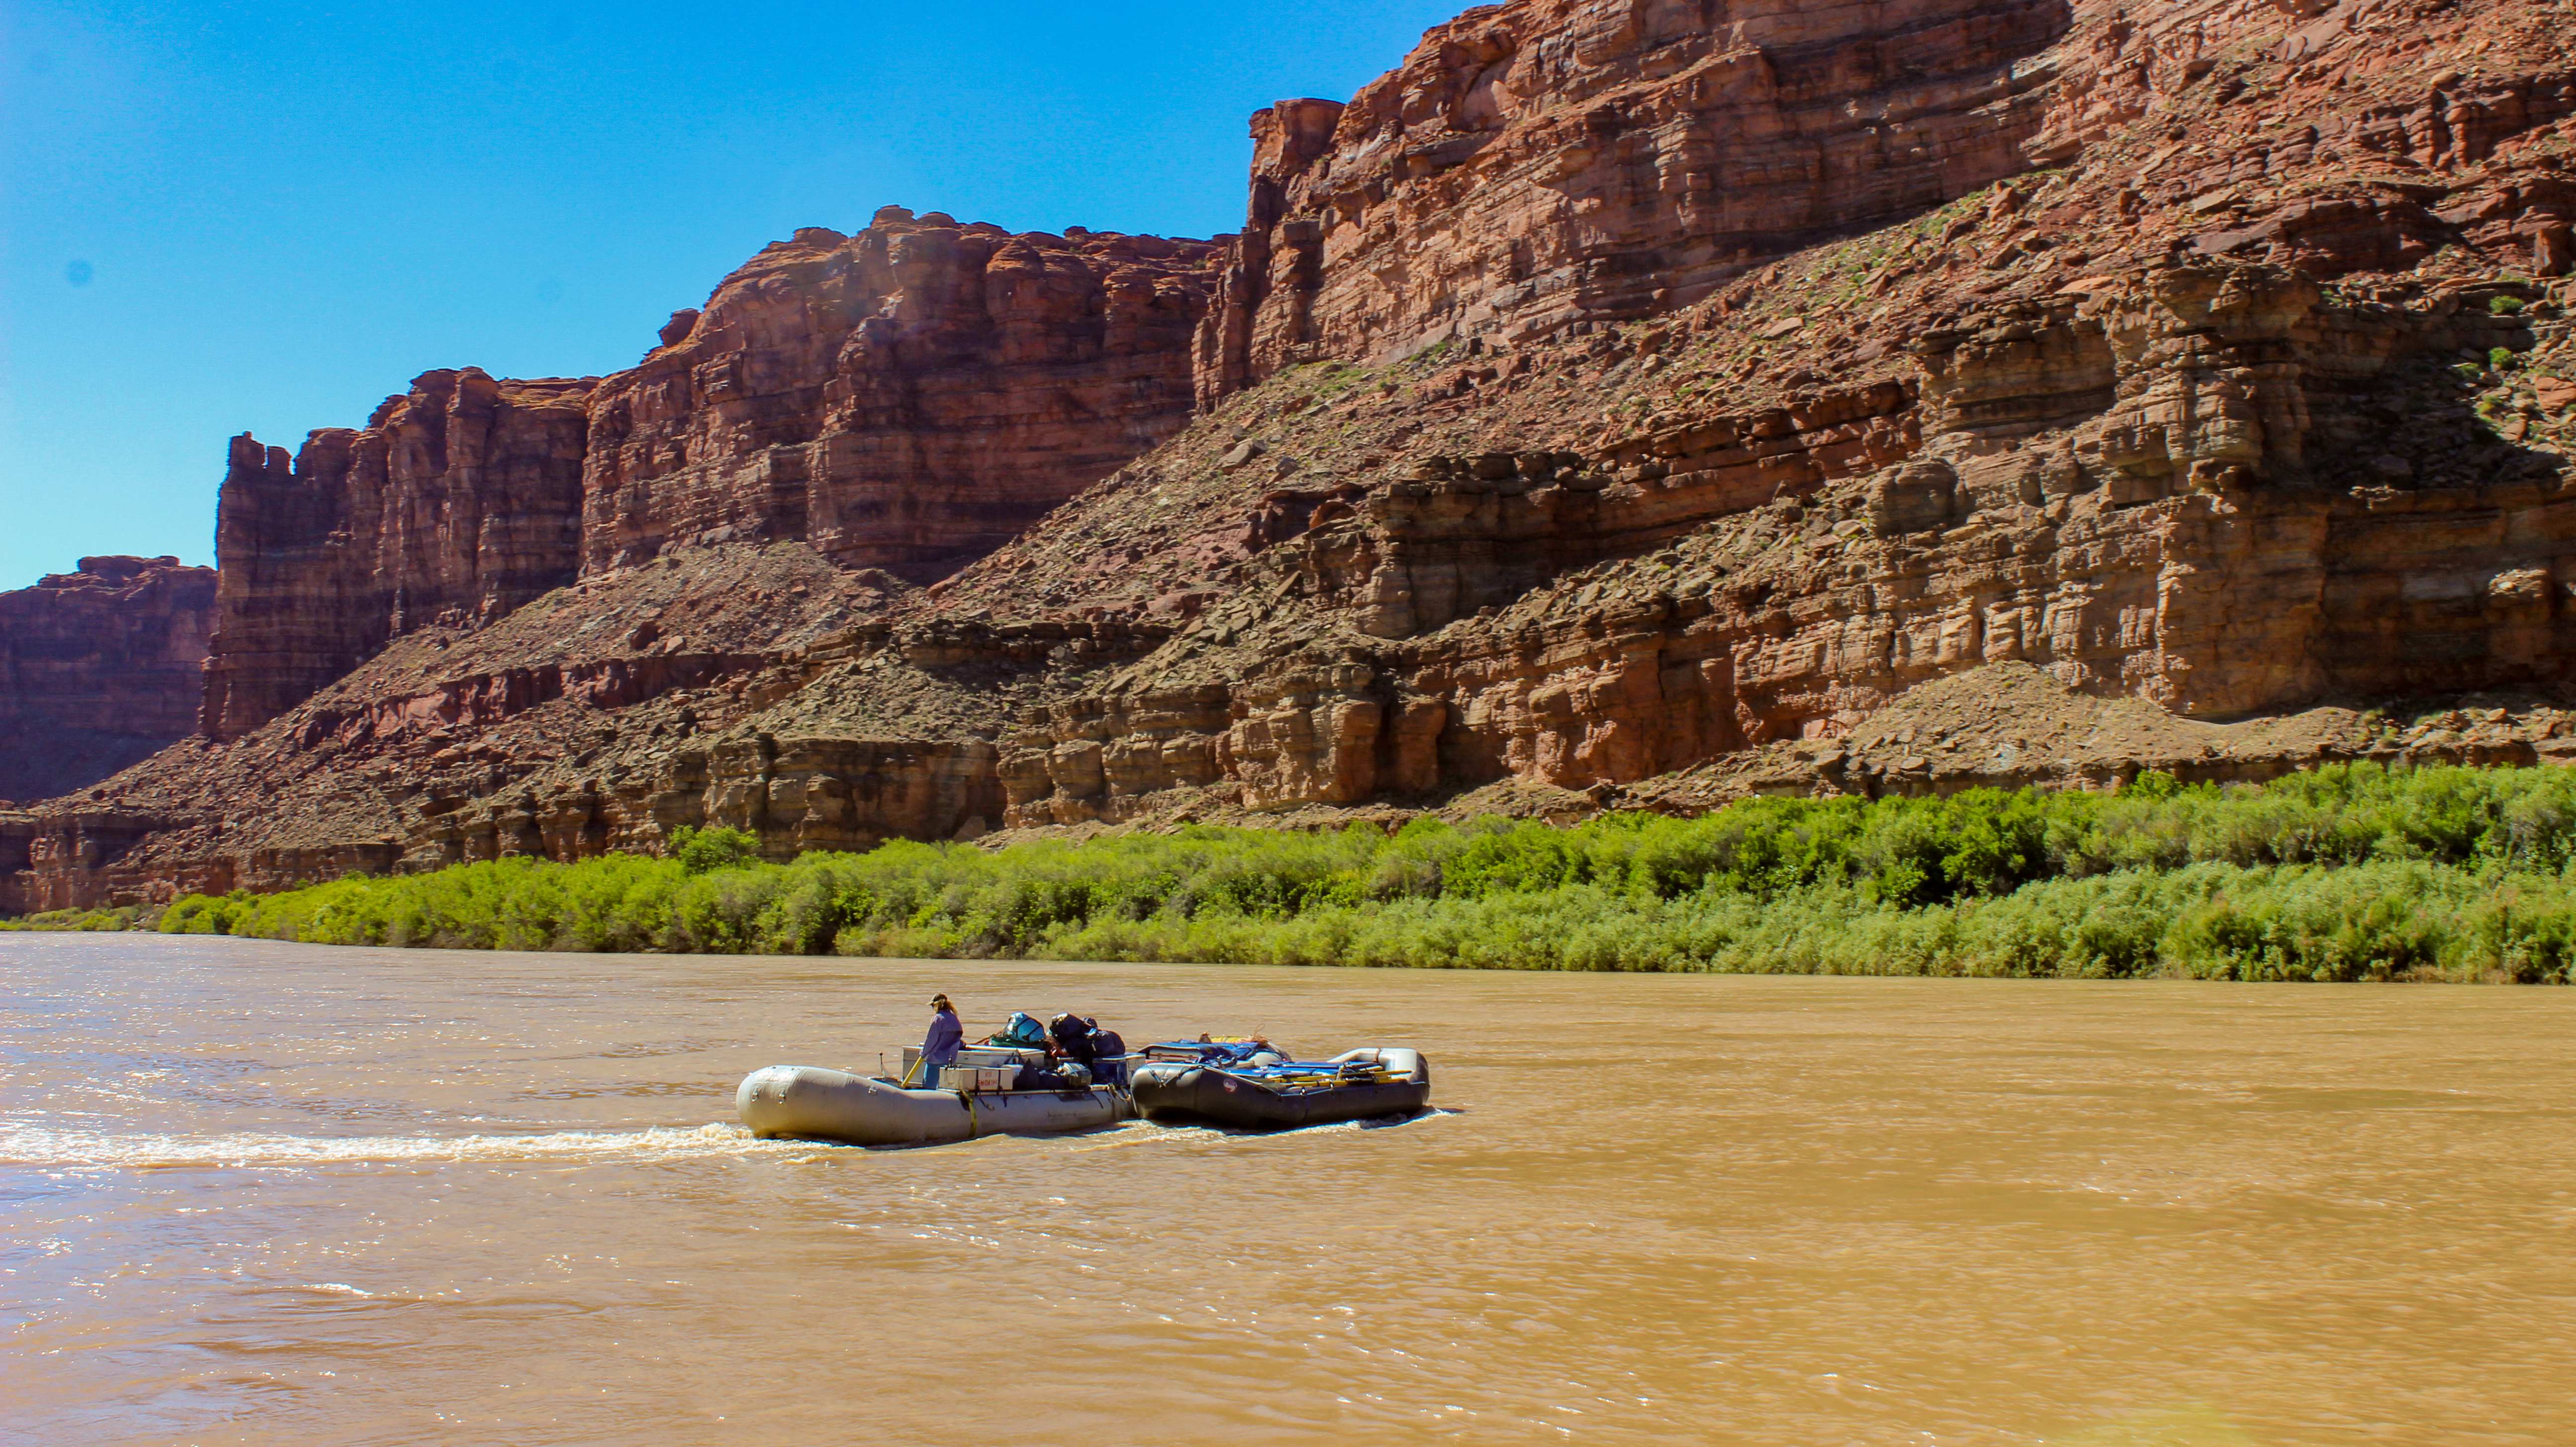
939, 1047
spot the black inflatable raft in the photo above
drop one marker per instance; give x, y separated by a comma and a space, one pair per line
1283, 1095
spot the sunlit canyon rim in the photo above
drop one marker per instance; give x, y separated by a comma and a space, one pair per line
1622, 405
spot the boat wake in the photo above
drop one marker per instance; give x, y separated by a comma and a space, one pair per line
31, 1145
52, 1147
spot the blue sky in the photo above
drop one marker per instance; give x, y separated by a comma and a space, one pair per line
266, 217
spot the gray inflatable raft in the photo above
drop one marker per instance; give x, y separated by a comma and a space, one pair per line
1255, 1097
810, 1102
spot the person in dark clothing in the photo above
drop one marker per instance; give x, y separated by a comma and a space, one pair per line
1109, 1056
1072, 1036
939, 1047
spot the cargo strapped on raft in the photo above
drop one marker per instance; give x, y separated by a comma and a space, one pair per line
1265, 1092
1296, 1075
1206, 1052
1238, 1058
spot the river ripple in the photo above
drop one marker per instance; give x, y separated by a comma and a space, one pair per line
259, 1193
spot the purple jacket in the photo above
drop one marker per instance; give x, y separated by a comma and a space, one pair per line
939, 1047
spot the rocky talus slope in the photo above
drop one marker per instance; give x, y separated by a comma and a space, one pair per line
98, 668
1617, 406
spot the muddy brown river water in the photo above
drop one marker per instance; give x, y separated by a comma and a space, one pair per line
259, 1193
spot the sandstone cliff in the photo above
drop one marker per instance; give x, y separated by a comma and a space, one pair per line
98, 670
459, 500
1783, 573
1544, 165
2253, 404
1627, 405
905, 398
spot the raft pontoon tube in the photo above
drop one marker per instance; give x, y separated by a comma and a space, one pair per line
813, 1103
1354, 1085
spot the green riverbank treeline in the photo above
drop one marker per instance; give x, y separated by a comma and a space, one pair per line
2349, 872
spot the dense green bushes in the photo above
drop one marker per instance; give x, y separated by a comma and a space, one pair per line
2349, 872
123, 917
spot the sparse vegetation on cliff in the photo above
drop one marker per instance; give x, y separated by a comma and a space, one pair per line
2350, 872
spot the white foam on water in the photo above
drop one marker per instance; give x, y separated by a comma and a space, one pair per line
31, 1144
25, 1144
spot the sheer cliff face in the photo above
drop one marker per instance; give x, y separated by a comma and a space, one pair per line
98, 669
903, 399
1547, 163
459, 501
907, 398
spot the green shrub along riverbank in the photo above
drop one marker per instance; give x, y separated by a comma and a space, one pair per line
81, 920
2351, 872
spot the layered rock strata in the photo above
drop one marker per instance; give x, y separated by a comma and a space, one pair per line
459, 501
1542, 165
2176, 488
756, 686
906, 399
98, 670
2256, 396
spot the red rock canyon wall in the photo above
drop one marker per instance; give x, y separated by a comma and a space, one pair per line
98, 668
906, 399
1546, 163
2256, 393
